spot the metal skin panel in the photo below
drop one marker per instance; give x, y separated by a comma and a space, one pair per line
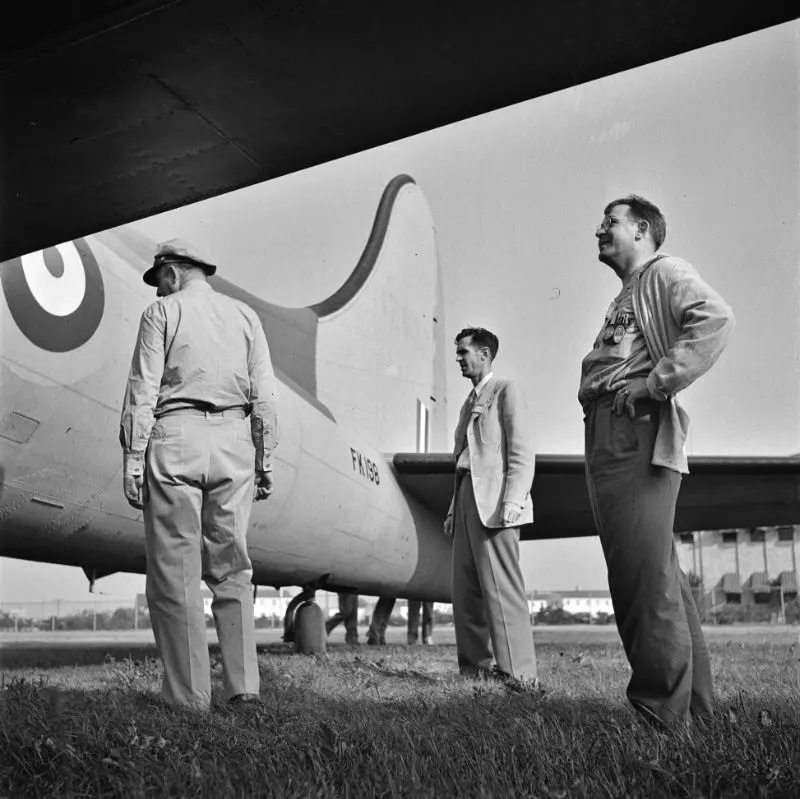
399, 295
335, 520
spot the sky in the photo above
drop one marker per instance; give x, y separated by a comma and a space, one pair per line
710, 136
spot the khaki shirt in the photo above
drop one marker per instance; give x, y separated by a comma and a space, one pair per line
199, 348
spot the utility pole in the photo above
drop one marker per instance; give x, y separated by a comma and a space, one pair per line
782, 619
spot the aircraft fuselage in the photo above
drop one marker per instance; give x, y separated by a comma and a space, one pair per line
337, 518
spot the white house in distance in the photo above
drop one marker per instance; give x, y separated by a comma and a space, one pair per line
592, 602
271, 603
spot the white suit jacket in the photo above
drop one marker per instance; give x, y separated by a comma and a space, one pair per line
501, 455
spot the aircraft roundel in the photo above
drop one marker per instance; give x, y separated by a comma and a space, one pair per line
55, 296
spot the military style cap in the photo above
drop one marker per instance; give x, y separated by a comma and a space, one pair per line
176, 251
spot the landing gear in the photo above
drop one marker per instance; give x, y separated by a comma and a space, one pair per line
304, 624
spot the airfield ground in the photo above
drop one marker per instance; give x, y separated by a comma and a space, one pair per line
394, 721
80, 647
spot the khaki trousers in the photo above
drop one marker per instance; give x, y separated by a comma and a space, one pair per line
197, 507
634, 509
488, 591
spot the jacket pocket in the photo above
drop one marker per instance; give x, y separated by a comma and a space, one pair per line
487, 431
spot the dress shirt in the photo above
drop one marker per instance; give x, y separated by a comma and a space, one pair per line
463, 458
197, 348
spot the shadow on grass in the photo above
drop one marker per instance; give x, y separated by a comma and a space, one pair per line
398, 721
89, 653
348, 726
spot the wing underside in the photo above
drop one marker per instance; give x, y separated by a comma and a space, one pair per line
718, 493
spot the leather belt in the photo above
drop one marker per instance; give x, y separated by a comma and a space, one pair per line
461, 471
227, 413
642, 407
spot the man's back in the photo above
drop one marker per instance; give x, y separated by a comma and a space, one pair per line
208, 341
198, 349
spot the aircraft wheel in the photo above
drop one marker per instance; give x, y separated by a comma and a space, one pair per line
309, 629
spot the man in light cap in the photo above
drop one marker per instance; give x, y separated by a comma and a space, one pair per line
200, 368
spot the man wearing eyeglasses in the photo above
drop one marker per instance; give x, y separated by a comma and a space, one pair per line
664, 329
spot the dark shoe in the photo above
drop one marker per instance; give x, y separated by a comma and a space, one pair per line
515, 684
245, 699
475, 672
656, 721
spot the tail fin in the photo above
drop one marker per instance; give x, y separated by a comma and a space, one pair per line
372, 354
380, 349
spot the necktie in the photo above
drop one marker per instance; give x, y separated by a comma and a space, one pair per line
468, 405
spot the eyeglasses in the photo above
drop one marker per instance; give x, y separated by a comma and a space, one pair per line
607, 222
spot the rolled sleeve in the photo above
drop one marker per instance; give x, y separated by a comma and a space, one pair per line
263, 400
705, 322
144, 380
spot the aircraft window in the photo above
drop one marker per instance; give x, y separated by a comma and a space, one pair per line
786, 533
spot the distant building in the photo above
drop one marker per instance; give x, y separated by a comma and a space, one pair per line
591, 602
743, 566
272, 602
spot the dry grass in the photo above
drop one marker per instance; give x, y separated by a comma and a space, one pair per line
398, 722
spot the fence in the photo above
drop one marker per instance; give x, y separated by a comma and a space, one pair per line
60, 614
132, 614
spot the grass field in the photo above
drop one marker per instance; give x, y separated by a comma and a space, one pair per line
397, 721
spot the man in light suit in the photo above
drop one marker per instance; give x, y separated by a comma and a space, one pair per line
494, 474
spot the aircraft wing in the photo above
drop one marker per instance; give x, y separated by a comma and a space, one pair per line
718, 493
194, 99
